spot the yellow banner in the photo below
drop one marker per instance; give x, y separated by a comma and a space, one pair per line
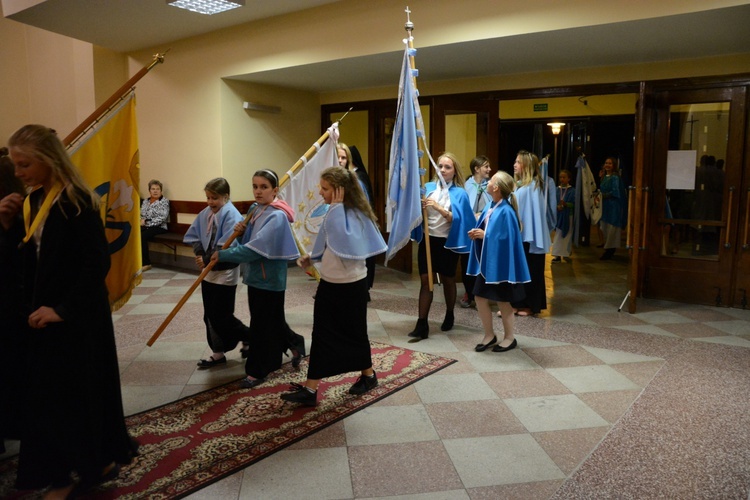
108, 160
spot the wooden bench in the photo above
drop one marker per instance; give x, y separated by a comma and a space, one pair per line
176, 230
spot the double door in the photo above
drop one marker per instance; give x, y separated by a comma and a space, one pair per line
693, 206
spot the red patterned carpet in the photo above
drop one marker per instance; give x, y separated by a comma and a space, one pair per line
193, 442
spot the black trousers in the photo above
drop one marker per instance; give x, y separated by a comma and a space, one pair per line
147, 234
223, 329
270, 335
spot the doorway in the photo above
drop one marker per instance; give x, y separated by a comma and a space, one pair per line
697, 249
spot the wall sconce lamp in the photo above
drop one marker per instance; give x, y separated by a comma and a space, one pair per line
253, 106
207, 7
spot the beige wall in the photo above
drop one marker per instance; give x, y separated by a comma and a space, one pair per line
47, 79
254, 140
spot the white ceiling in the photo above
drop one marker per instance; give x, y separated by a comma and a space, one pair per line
129, 25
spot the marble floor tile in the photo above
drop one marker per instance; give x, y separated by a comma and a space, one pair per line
320, 473
448, 388
389, 424
553, 413
402, 469
488, 461
592, 378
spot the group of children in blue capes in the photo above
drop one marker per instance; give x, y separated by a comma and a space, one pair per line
498, 240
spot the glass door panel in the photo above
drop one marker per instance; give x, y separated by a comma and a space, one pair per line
692, 238
698, 135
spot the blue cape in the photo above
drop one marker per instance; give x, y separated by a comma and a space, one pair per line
563, 216
349, 234
225, 220
499, 257
614, 205
463, 219
472, 189
270, 235
533, 213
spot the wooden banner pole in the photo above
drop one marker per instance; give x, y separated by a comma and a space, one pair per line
409, 27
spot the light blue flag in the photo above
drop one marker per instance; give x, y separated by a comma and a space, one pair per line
404, 207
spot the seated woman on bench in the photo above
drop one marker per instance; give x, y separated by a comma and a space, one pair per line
154, 215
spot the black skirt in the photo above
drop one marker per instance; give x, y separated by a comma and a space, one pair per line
339, 336
500, 292
536, 292
444, 261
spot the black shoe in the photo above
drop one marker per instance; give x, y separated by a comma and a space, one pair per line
208, 363
608, 254
498, 348
364, 384
299, 348
483, 347
301, 395
447, 322
556, 259
421, 331
246, 383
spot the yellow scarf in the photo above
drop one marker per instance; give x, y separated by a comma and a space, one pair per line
32, 226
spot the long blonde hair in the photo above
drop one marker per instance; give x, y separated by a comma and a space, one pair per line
348, 152
507, 185
530, 171
42, 143
354, 197
458, 177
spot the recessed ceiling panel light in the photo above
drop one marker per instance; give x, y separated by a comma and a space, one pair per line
206, 6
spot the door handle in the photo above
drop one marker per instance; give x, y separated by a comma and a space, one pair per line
747, 223
646, 190
729, 218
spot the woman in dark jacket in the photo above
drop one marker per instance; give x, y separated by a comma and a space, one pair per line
11, 339
73, 415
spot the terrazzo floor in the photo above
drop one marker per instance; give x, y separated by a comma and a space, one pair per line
594, 403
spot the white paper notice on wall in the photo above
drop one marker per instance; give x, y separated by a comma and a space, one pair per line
681, 169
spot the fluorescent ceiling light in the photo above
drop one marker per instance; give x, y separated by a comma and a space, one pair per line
206, 6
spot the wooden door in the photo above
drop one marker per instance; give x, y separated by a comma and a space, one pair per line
693, 242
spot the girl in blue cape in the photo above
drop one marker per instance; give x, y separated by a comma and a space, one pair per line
449, 218
348, 236
497, 260
208, 232
267, 246
563, 243
476, 190
614, 209
535, 230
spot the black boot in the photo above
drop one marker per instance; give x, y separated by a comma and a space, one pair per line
422, 330
608, 253
447, 322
